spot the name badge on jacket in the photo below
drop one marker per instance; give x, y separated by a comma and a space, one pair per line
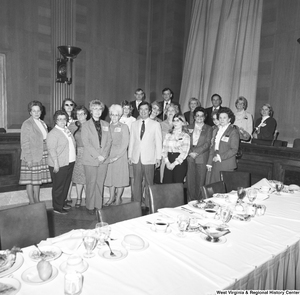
105, 128
118, 129
225, 138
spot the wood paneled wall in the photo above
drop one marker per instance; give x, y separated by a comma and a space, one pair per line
125, 44
279, 65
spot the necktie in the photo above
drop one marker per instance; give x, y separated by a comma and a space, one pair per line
142, 130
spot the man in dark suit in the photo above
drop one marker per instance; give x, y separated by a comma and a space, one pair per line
216, 101
139, 97
167, 95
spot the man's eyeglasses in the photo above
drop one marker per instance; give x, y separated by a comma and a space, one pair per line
69, 105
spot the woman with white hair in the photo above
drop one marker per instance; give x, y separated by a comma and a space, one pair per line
117, 176
96, 138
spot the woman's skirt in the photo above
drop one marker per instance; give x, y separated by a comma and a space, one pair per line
38, 173
78, 172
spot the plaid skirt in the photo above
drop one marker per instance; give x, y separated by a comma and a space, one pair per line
38, 173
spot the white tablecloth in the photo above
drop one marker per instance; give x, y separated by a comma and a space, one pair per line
260, 254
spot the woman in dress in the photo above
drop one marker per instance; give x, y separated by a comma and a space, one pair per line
225, 145
62, 155
193, 103
34, 154
176, 147
265, 126
96, 138
243, 119
127, 118
117, 176
78, 173
201, 135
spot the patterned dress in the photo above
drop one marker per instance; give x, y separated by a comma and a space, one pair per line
78, 172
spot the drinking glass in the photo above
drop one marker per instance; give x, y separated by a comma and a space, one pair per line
252, 195
279, 187
103, 232
225, 215
241, 192
183, 223
89, 242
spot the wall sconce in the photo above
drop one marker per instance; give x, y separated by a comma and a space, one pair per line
64, 65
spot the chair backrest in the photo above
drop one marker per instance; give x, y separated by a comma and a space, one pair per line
267, 142
165, 195
296, 144
23, 226
234, 179
208, 190
113, 214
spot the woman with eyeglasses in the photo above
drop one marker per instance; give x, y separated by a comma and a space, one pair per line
62, 155
266, 125
225, 145
78, 173
68, 106
127, 117
201, 135
117, 176
34, 153
176, 147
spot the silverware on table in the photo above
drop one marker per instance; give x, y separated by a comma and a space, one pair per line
43, 255
112, 254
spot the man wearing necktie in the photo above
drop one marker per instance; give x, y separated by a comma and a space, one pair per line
144, 150
167, 95
139, 97
216, 101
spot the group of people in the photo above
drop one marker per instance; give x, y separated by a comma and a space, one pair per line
141, 140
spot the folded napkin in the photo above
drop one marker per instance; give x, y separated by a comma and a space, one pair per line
68, 242
262, 182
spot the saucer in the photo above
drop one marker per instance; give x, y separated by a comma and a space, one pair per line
83, 267
221, 240
152, 227
127, 246
18, 263
31, 276
51, 253
11, 282
120, 253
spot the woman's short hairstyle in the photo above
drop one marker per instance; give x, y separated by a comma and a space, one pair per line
126, 103
196, 100
35, 103
59, 113
116, 108
271, 112
244, 100
96, 102
156, 103
65, 100
81, 108
229, 112
171, 105
200, 109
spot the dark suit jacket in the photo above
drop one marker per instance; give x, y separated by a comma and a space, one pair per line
203, 145
187, 116
266, 132
161, 116
135, 112
209, 120
228, 148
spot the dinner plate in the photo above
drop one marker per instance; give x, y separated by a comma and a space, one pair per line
51, 252
221, 240
127, 246
169, 230
18, 263
120, 253
31, 276
12, 282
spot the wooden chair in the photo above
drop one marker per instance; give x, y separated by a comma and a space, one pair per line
23, 226
208, 190
165, 195
296, 143
113, 214
234, 179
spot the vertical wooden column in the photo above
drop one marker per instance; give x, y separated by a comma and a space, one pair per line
63, 22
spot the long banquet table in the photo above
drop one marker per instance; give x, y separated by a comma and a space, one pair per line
260, 254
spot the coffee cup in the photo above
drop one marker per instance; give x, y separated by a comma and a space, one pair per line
265, 189
161, 226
